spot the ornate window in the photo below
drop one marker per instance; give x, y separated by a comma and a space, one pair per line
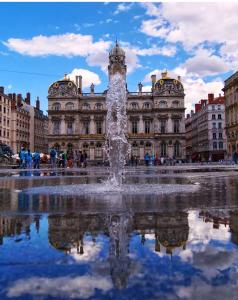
147, 126
214, 145
146, 105
69, 106
175, 104
219, 117
70, 127
134, 105
56, 106
98, 106
86, 106
134, 127
163, 149
86, 129
176, 149
176, 126
135, 149
86, 148
99, 127
163, 104
98, 150
220, 145
148, 147
56, 127
163, 126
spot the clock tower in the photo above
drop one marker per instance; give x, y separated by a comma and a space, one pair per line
117, 61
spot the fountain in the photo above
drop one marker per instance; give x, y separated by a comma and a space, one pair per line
117, 145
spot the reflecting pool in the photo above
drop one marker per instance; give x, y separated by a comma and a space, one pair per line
177, 245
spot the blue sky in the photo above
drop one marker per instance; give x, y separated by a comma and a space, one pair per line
56, 38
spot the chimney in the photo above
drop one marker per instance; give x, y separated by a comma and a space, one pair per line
28, 98
80, 84
198, 107
153, 81
10, 96
19, 100
38, 103
1, 89
210, 98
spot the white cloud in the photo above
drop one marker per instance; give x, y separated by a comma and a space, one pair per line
123, 7
87, 25
88, 77
204, 63
69, 44
195, 25
67, 287
165, 51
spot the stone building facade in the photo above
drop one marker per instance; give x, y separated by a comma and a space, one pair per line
5, 118
77, 120
231, 105
21, 124
205, 130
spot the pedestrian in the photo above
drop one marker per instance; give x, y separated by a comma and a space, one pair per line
147, 159
235, 157
53, 158
28, 159
22, 158
85, 157
36, 160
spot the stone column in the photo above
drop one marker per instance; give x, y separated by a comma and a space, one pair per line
141, 125
91, 126
169, 125
141, 152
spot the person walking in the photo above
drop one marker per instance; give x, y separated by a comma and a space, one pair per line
22, 158
36, 160
147, 159
85, 157
28, 158
235, 157
53, 158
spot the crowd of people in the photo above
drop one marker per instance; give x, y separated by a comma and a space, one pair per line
27, 160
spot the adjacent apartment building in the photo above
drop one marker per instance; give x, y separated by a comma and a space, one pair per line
21, 124
231, 108
77, 120
205, 130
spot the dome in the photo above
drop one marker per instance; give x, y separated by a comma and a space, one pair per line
117, 50
64, 85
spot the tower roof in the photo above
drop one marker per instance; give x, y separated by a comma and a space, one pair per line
117, 50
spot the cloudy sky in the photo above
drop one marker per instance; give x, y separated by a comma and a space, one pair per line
40, 42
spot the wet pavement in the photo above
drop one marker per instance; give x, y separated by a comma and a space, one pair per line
178, 245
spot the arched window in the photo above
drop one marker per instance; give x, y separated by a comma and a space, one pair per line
163, 149
56, 106
146, 105
98, 151
176, 149
214, 145
86, 106
69, 106
163, 104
